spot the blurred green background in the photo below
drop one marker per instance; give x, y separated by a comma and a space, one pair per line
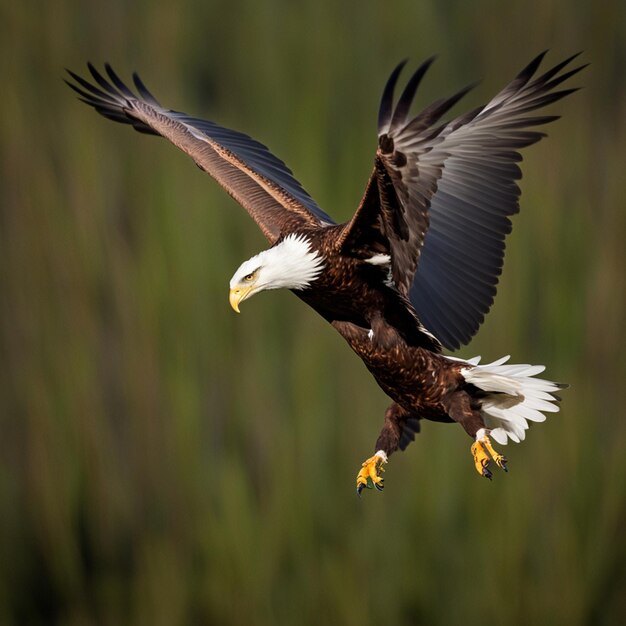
164, 461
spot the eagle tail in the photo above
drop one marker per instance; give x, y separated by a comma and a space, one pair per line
514, 396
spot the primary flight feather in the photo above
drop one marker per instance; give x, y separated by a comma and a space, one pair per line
415, 269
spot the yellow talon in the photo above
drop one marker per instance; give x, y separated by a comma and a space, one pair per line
483, 452
496, 456
368, 476
481, 459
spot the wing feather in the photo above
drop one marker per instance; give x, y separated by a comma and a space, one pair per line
440, 197
245, 168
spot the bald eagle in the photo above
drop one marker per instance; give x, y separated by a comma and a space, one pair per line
414, 270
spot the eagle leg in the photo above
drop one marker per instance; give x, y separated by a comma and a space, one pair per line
481, 460
483, 452
462, 410
398, 431
369, 475
499, 459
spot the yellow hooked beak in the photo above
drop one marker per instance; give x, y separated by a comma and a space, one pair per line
237, 296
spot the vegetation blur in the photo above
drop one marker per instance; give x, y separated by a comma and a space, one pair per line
164, 461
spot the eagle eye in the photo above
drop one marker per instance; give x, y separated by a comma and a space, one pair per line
248, 277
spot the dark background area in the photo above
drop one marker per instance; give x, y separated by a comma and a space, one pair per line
164, 461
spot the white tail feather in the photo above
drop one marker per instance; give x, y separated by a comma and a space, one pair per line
516, 396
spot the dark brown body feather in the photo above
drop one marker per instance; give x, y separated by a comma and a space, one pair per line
381, 327
352, 290
423, 385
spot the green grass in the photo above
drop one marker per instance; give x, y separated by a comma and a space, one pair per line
163, 461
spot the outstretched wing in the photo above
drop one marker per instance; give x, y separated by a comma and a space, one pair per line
245, 168
393, 216
440, 196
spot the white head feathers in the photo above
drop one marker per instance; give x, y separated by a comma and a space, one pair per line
291, 264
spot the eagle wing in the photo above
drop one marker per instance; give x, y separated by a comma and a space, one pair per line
245, 168
439, 198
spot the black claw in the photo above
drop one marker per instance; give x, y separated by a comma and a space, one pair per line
380, 487
358, 490
487, 473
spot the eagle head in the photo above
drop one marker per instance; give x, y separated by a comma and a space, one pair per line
291, 263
